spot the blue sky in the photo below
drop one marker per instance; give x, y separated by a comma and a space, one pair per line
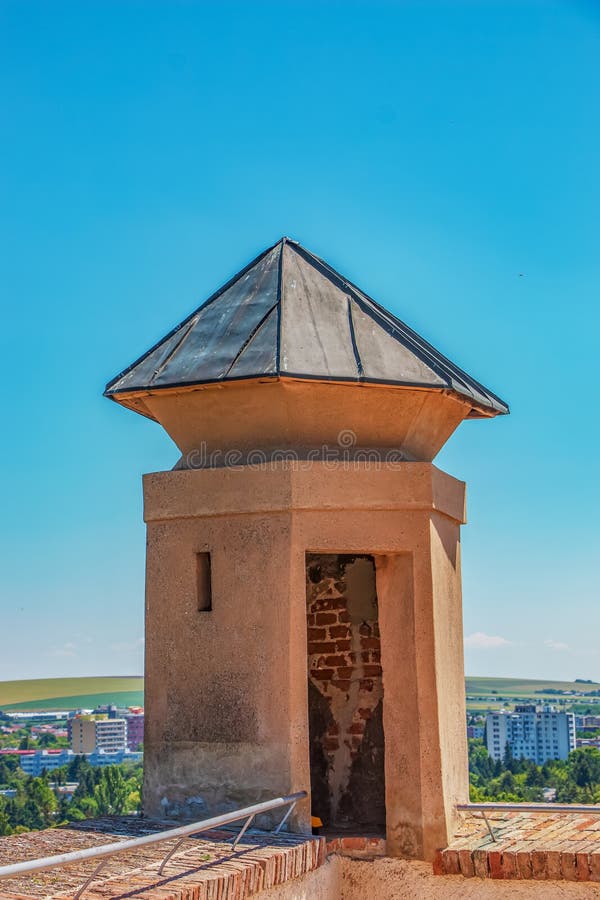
444, 156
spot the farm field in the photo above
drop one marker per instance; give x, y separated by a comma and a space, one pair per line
71, 693
485, 693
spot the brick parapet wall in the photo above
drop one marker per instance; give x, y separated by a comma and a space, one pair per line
529, 846
203, 869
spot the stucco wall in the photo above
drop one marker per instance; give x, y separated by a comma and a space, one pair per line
397, 879
226, 690
341, 878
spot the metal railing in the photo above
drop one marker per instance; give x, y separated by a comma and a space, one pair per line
248, 814
484, 808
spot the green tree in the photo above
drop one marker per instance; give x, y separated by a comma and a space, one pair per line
41, 795
584, 768
111, 792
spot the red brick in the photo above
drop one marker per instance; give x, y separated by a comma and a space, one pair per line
335, 661
366, 684
524, 864
321, 674
310, 619
538, 864
595, 866
583, 867
343, 645
465, 862
553, 870
372, 671
321, 647
365, 630
339, 631
345, 672
331, 744
451, 864
343, 616
509, 865
438, 863
370, 643
324, 603
364, 712
480, 863
568, 865
354, 843
341, 685
317, 634
326, 618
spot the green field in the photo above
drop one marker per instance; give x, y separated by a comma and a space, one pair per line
485, 693
71, 693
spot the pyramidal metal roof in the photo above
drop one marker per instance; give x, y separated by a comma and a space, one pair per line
288, 314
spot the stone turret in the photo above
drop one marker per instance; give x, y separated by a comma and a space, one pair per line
303, 620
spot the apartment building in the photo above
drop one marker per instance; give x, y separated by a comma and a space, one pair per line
90, 733
34, 762
532, 732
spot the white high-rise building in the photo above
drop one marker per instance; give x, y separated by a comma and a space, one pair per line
532, 732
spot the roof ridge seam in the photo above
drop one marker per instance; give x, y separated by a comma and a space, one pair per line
250, 338
279, 305
193, 321
355, 349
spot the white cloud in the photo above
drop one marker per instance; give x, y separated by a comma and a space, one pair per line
556, 645
481, 641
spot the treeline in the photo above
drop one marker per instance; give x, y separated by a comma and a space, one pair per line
575, 780
39, 802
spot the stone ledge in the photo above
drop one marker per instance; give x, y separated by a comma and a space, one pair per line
203, 869
529, 846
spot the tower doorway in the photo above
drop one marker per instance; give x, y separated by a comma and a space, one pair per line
345, 692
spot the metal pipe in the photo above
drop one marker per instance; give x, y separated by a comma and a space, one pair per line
78, 893
289, 811
528, 807
489, 827
64, 859
171, 853
242, 832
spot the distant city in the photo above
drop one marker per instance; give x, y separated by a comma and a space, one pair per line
47, 740
503, 714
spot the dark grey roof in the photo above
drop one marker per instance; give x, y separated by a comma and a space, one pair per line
290, 315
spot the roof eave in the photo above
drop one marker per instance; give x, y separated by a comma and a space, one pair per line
133, 398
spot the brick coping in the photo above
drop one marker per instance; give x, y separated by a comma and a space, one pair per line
538, 846
203, 868
355, 846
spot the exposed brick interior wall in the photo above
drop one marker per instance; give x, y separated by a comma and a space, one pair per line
345, 692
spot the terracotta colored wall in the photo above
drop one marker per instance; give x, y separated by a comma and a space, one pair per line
227, 706
239, 417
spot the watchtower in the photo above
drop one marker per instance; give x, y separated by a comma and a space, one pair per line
303, 592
